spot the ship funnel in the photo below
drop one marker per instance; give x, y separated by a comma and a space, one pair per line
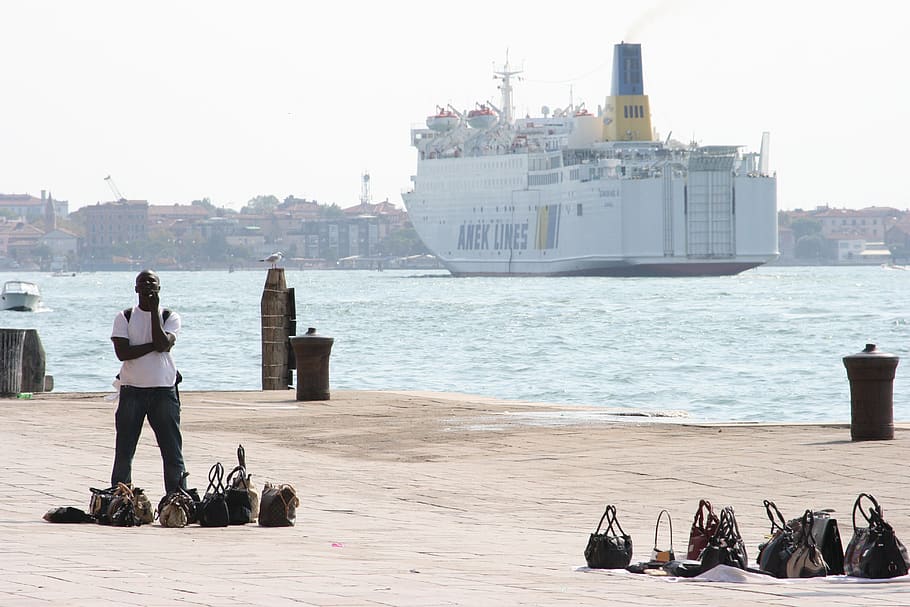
627, 113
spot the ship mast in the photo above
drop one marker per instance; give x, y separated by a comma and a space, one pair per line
506, 87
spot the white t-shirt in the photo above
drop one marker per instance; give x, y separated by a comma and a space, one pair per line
155, 369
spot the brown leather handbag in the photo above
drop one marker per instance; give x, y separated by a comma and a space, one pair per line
704, 526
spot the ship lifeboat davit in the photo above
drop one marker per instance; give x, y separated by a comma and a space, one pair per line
481, 118
442, 121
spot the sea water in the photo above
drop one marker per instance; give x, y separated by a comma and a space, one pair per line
765, 345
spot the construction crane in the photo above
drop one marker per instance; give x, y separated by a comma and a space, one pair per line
114, 189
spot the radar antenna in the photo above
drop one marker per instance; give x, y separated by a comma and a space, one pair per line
505, 75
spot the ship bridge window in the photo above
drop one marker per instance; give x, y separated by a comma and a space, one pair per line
578, 210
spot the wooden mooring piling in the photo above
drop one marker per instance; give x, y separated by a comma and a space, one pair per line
278, 310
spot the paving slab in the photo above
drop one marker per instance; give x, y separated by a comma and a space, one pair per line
423, 499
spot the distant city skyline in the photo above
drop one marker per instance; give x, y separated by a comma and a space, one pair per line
229, 101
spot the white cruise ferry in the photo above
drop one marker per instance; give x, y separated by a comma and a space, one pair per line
577, 193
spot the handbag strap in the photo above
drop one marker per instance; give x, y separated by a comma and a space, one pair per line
875, 509
180, 485
728, 529
806, 528
772, 512
657, 527
240, 472
123, 490
606, 512
705, 516
216, 479
612, 520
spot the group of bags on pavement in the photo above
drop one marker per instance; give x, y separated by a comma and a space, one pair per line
230, 501
802, 547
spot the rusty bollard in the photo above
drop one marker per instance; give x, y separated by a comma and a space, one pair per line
871, 375
312, 353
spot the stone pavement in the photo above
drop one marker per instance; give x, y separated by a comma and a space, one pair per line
420, 499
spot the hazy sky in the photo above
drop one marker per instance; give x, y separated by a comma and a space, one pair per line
230, 100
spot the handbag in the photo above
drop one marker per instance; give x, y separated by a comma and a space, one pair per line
143, 507
237, 496
827, 537
726, 546
703, 527
213, 510
179, 507
806, 560
874, 551
774, 554
99, 504
122, 511
658, 555
278, 506
242, 497
609, 550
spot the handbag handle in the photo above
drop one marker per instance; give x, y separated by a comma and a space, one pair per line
657, 527
240, 471
705, 515
772, 511
181, 484
124, 490
241, 456
216, 479
728, 529
610, 516
807, 524
606, 512
876, 509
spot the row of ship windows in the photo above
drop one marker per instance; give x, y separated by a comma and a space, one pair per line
579, 210
448, 168
474, 184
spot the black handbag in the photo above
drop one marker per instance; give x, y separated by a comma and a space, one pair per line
213, 510
774, 554
874, 551
726, 546
240, 506
242, 497
100, 503
609, 550
123, 511
278, 506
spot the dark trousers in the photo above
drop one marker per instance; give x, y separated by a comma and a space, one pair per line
162, 407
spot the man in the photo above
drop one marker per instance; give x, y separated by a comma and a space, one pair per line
143, 338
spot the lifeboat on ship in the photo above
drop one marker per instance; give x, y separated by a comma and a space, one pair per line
443, 120
481, 118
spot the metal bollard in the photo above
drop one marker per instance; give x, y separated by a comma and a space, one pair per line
871, 375
312, 353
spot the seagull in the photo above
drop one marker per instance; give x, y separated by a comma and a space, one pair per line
274, 258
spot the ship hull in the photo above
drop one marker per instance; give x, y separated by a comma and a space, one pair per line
686, 223
619, 269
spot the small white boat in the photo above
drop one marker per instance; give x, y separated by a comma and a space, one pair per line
20, 295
